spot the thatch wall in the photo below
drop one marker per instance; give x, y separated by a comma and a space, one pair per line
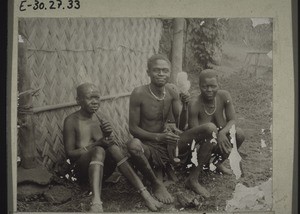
64, 52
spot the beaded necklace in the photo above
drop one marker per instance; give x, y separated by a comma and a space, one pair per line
215, 107
156, 97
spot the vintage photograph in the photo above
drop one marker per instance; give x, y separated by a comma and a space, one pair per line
145, 114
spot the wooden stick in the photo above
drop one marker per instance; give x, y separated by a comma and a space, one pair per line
26, 131
74, 103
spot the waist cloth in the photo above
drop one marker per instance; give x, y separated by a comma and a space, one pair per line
162, 154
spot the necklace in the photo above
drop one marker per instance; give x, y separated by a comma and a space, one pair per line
164, 93
215, 107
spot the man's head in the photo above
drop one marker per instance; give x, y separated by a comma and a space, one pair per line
208, 83
159, 69
88, 97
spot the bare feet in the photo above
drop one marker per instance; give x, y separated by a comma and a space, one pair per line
196, 187
151, 203
223, 169
96, 207
162, 194
187, 201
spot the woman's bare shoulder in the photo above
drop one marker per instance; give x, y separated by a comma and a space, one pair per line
224, 96
223, 93
71, 118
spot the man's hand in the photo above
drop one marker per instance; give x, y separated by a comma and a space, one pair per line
223, 143
172, 128
167, 137
106, 128
185, 97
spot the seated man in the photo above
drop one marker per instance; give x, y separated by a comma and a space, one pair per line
89, 145
149, 108
212, 114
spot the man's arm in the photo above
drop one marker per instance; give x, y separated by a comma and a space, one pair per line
193, 114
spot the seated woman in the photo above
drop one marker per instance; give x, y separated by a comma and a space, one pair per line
89, 145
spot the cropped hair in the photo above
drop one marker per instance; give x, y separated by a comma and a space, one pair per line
156, 57
208, 73
82, 87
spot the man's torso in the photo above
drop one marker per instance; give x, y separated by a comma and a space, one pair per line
153, 112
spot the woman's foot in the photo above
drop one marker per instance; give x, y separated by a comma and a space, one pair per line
151, 203
96, 207
162, 194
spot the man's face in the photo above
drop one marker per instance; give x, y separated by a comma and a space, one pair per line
159, 72
209, 88
90, 100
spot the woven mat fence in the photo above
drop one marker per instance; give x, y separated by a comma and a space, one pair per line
65, 52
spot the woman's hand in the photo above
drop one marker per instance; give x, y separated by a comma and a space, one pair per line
223, 143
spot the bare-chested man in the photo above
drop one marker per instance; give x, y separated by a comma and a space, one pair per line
150, 106
89, 145
211, 112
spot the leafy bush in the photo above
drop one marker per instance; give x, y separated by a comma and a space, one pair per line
206, 38
202, 42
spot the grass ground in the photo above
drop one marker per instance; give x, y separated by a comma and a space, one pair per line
252, 97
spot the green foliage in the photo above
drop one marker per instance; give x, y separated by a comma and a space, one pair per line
202, 42
203, 39
206, 38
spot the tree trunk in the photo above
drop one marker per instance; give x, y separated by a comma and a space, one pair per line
25, 132
177, 48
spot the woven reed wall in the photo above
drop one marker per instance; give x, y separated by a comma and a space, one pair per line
64, 52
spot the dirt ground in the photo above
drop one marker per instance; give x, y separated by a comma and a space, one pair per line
252, 98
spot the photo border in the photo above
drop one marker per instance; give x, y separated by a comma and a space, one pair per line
283, 70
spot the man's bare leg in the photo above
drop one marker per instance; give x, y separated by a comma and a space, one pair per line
130, 174
141, 162
95, 178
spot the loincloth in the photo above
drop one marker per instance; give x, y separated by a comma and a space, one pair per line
162, 155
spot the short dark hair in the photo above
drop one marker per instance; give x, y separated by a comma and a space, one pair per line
208, 73
156, 57
82, 87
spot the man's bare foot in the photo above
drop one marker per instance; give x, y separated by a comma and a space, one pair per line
96, 207
151, 203
196, 187
223, 169
162, 194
